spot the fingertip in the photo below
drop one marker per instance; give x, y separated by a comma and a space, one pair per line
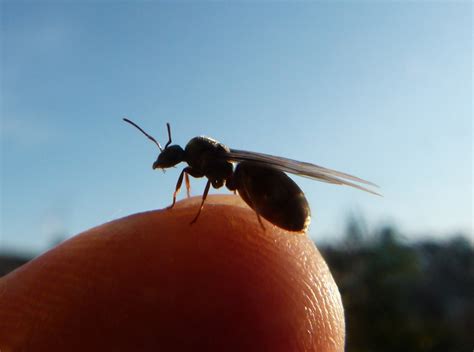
222, 283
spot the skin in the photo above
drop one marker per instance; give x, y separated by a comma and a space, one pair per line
152, 282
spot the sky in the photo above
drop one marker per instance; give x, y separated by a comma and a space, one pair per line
379, 90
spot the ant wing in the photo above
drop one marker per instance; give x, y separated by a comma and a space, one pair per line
301, 168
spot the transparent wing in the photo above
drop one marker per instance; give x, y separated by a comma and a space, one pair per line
302, 169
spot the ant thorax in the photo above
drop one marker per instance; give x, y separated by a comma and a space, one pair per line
201, 151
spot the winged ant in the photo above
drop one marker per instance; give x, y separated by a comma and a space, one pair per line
258, 178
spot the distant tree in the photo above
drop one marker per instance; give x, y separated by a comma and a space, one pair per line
401, 297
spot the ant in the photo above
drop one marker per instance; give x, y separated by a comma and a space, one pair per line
258, 178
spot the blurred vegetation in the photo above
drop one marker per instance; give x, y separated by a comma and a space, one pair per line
398, 295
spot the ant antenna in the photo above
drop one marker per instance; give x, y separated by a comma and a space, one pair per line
146, 134
169, 135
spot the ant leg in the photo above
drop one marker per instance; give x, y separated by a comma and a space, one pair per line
233, 186
230, 184
178, 184
260, 220
251, 203
188, 185
204, 196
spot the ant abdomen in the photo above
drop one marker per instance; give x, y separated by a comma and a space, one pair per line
272, 194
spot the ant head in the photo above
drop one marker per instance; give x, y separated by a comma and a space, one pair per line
170, 155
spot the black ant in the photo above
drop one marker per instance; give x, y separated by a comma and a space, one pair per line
258, 178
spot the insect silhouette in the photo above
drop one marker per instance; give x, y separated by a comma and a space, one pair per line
258, 178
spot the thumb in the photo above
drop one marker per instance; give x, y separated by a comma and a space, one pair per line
152, 281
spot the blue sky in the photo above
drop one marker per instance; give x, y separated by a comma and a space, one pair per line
382, 91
